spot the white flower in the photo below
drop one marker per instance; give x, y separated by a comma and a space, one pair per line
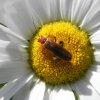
22, 17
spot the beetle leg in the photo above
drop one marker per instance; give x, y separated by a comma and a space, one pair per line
61, 43
51, 37
54, 39
55, 58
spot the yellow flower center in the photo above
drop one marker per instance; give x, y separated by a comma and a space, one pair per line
49, 66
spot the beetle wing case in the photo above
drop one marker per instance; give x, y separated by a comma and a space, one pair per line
57, 50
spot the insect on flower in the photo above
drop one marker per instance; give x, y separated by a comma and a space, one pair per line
56, 48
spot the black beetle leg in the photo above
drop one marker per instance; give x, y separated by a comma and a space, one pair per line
61, 43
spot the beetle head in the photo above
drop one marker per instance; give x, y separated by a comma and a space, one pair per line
42, 39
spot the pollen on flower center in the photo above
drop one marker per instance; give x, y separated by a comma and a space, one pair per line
59, 71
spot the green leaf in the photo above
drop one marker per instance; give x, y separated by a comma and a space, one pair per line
76, 95
1, 85
11, 98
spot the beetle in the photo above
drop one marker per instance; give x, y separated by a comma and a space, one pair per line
55, 48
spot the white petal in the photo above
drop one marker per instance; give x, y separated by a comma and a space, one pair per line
85, 91
55, 13
65, 8
78, 12
2, 2
4, 44
18, 19
10, 52
12, 70
23, 93
44, 11
97, 56
95, 37
12, 87
47, 92
91, 21
63, 93
95, 68
94, 79
38, 11
96, 44
37, 93
14, 37
3, 36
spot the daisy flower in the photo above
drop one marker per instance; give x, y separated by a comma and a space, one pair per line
49, 50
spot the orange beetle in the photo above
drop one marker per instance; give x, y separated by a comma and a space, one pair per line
56, 48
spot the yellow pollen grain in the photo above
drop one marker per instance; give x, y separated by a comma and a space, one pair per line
76, 41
